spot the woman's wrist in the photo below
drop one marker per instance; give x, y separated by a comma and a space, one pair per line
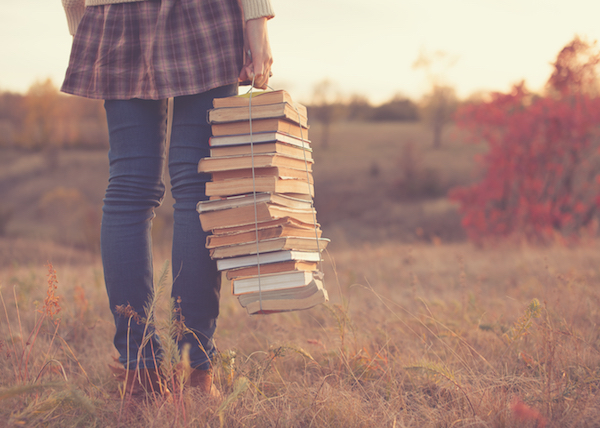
257, 66
257, 9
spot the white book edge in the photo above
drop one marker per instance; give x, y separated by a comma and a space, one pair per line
271, 282
258, 137
265, 258
212, 159
296, 293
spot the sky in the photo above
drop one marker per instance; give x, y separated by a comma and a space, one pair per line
364, 47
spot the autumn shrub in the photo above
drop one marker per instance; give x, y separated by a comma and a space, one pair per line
45, 119
541, 175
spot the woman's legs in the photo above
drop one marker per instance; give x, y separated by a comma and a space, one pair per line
195, 277
137, 131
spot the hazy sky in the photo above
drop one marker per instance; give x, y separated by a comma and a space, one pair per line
365, 46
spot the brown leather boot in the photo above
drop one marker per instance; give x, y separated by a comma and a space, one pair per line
139, 381
202, 380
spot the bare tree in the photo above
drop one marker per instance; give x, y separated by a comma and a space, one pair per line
437, 110
439, 104
326, 107
358, 107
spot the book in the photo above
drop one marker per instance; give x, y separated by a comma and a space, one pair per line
272, 171
258, 184
266, 111
258, 98
271, 268
274, 257
257, 138
267, 147
262, 225
299, 294
264, 235
250, 199
263, 211
260, 125
285, 303
302, 196
213, 241
283, 300
268, 245
271, 282
263, 160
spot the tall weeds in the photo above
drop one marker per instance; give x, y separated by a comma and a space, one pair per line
40, 388
476, 342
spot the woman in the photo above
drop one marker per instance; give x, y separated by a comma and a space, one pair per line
135, 54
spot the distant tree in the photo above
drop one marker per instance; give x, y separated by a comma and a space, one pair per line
11, 117
439, 104
358, 108
575, 70
326, 107
44, 118
542, 170
85, 121
42, 123
437, 110
399, 108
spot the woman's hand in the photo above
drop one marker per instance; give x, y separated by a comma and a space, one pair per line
258, 63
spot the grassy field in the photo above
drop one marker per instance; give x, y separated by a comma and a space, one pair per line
414, 336
422, 329
374, 182
377, 182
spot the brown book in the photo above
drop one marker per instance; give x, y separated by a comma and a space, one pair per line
268, 245
267, 111
269, 147
273, 171
258, 98
263, 160
283, 291
263, 225
289, 302
213, 241
292, 300
304, 196
269, 268
258, 184
260, 125
250, 199
273, 282
257, 138
264, 211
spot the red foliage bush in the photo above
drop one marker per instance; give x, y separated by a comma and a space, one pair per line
542, 171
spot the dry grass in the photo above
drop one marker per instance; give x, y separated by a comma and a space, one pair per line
422, 336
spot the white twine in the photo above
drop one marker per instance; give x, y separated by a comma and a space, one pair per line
254, 195
251, 91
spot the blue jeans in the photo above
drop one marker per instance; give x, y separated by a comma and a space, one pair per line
137, 131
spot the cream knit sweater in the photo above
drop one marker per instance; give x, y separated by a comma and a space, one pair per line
75, 8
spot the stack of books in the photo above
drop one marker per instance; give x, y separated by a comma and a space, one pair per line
264, 233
